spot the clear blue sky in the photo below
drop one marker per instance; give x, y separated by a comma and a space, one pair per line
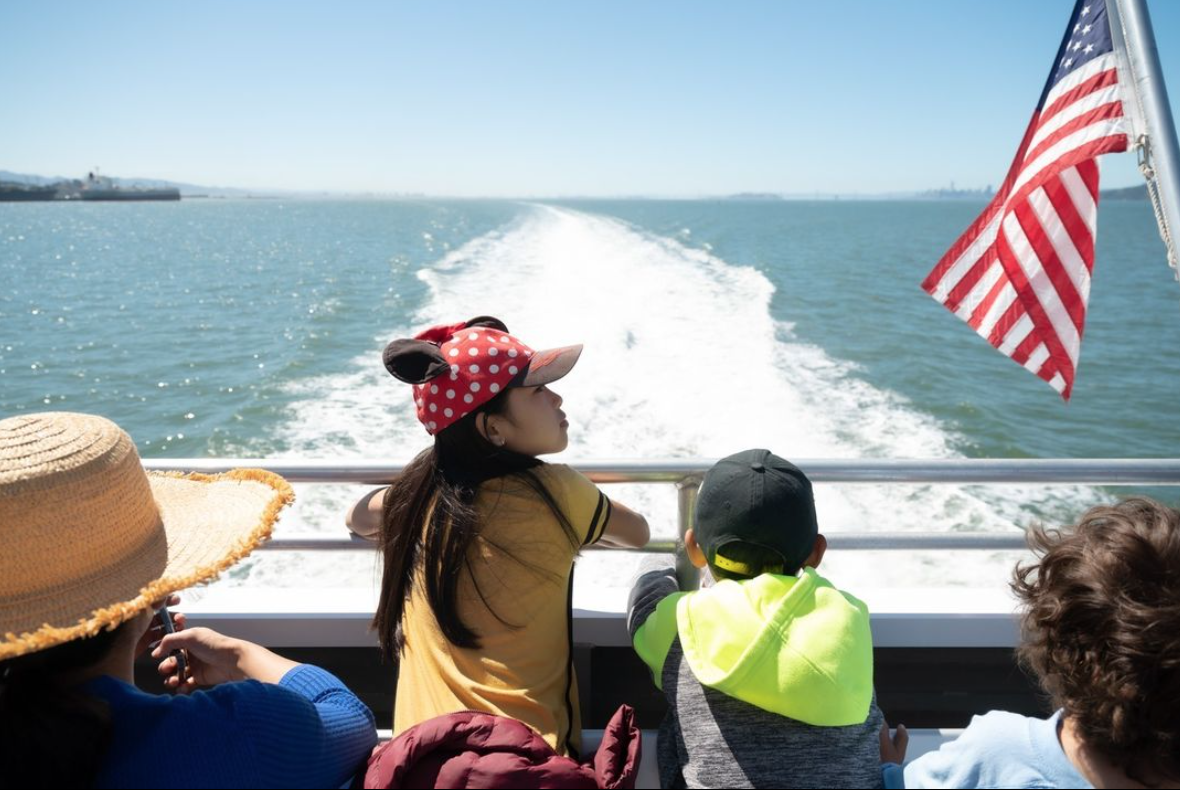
535, 98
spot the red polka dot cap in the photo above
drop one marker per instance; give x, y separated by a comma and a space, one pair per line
456, 368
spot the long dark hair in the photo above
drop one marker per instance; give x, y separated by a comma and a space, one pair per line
430, 521
44, 714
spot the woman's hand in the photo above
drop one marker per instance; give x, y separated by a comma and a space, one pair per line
215, 658
155, 629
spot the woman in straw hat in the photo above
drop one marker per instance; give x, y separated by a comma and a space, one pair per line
92, 546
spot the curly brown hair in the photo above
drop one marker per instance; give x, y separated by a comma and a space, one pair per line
1102, 630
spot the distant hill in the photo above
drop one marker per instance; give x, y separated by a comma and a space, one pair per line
1128, 193
37, 181
155, 183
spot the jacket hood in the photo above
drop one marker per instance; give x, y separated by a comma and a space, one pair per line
795, 646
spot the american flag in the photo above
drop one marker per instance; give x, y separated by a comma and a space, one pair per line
1020, 275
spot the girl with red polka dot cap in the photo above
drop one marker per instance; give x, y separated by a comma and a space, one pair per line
479, 536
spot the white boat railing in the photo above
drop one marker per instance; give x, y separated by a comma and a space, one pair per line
686, 475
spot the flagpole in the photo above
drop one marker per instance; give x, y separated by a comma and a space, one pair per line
1164, 156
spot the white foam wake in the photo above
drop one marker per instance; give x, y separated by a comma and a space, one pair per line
682, 358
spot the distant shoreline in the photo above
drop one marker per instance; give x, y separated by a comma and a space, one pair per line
11, 181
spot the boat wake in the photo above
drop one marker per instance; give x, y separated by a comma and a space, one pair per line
683, 358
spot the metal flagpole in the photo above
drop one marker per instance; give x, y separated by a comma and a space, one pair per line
1159, 155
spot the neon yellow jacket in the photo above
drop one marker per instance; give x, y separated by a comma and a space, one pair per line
795, 646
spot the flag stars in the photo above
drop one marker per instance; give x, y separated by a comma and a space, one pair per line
1087, 29
1089, 48
1085, 10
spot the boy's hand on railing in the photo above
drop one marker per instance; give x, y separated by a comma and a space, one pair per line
893, 749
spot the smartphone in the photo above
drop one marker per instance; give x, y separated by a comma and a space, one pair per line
181, 663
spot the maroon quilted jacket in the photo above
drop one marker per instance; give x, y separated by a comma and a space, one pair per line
472, 749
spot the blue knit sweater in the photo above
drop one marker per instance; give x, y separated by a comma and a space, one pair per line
307, 730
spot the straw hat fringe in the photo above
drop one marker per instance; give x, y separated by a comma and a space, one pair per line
112, 616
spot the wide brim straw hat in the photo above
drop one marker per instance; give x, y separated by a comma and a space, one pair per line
90, 539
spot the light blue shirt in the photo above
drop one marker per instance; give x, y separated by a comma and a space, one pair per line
998, 749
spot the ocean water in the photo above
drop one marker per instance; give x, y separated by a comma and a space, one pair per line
254, 328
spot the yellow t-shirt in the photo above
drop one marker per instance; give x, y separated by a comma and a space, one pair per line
522, 566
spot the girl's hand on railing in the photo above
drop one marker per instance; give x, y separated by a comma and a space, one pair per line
626, 529
366, 516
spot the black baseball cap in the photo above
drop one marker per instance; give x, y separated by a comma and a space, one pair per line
758, 499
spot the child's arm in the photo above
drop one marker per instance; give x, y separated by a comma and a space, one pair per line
994, 751
366, 516
651, 614
656, 581
625, 529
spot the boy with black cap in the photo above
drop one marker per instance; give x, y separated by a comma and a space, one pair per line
768, 673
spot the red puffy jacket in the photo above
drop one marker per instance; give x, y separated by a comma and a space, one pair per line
471, 749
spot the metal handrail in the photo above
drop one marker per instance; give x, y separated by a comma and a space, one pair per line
875, 541
1089, 471
686, 475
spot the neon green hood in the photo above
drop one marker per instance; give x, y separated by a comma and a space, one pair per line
797, 647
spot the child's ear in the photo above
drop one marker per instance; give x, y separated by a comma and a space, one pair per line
693, 549
414, 361
818, 549
489, 322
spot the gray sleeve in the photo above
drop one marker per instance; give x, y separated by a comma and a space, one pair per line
649, 589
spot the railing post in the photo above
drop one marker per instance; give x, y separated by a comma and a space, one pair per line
686, 504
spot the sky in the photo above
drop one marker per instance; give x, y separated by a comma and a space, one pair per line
532, 98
